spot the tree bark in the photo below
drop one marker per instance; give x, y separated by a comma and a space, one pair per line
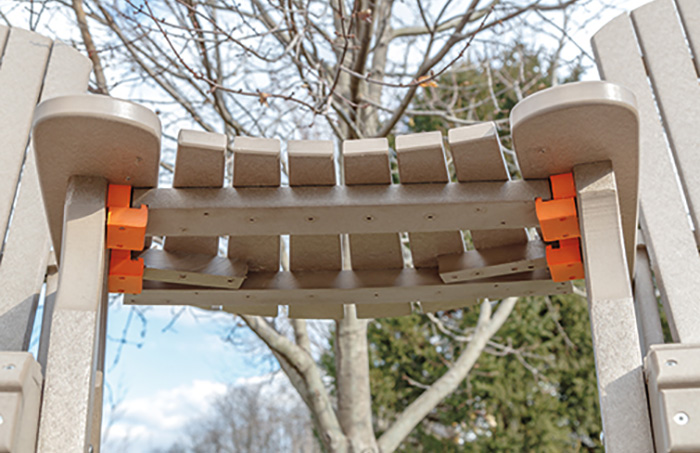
352, 373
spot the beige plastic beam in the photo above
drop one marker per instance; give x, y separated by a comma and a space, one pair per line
342, 209
69, 389
618, 354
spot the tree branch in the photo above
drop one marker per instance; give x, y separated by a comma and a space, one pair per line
486, 327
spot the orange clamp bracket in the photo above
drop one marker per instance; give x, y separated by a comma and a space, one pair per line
126, 230
565, 261
126, 226
125, 274
559, 224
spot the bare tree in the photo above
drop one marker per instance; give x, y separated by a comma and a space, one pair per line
274, 68
252, 418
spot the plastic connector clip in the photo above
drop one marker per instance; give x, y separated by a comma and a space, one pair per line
560, 225
564, 261
126, 231
125, 274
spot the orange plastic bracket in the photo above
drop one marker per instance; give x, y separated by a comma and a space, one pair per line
565, 261
126, 228
563, 186
559, 224
125, 274
118, 196
558, 219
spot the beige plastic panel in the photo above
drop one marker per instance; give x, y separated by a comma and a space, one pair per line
256, 163
20, 399
21, 75
491, 262
673, 381
366, 161
672, 73
668, 235
199, 162
690, 16
311, 164
26, 250
351, 287
342, 209
578, 123
422, 160
92, 135
477, 155
196, 269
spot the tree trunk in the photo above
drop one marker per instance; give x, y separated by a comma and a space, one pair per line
354, 397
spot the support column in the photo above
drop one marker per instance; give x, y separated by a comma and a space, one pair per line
618, 354
69, 387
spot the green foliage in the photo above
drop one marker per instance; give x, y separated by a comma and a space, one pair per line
534, 388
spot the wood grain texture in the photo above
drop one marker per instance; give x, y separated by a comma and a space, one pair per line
256, 163
668, 235
617, 349
422, 160
675, 81
351, 287
70, 370
342, 209
26, 251
366, 161
311, 164
199, 162
492, 262
368, 311
193, 269
477, 155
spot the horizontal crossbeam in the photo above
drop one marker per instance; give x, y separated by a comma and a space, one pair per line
342, 209
349, 287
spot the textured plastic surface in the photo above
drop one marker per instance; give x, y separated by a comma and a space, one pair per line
565, 261
20, 397
125, 274
126, 228
558, 219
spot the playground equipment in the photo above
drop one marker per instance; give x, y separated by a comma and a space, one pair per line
93, 164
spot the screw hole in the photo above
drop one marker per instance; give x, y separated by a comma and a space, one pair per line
9, 367
681, 418
206, 214
671, 362
122, 228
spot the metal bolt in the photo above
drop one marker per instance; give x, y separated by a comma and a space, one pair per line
671, 363
681, 418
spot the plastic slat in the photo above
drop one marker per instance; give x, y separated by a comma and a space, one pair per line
667, 232
311, 164
256, 163
476, 151
199, 162
689, 11
421, 160
366, 161
21, 75
27, 248
675, 83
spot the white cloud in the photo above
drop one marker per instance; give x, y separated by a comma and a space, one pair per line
157, 421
